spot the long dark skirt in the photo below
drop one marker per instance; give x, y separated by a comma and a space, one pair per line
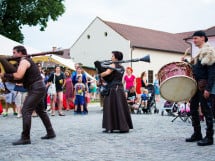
116, 115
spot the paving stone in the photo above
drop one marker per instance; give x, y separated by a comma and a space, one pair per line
154, 138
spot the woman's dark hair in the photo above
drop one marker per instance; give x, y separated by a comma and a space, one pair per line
118, 55
142, 74
57, 65
21, 49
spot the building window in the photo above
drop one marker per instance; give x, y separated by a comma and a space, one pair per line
106, 34
88, 36
150, 76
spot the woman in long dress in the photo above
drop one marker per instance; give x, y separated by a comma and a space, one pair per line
116, 115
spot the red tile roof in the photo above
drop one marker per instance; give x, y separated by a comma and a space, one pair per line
151, 39
209, 32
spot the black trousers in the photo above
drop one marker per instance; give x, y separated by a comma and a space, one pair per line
199, 99
213, 104
35, 101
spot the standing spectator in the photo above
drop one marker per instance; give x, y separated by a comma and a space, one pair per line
59, 79
93, 88
129, 79
79, 72
79, 95
10, 99
144, 81
68, 89
75, 74
157, 88
21, 94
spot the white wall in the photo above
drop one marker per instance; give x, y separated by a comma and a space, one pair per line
158, 60
99, 46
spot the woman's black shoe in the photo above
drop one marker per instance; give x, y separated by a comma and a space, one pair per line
107, 131
124, 131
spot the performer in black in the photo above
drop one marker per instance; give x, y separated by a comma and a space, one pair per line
29, 73
204, 72
116, 115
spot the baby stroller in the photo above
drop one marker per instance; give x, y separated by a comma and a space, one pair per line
170, 108
151, 103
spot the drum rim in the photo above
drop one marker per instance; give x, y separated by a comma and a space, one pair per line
172, 63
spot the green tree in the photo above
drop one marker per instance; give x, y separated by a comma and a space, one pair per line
16, 13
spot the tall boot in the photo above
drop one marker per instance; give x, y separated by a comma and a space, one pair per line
47, 123
196, 136
25, 139
208, 139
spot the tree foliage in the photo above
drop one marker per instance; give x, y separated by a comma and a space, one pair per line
16, 13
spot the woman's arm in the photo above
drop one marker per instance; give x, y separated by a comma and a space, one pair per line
108, 71
145, 82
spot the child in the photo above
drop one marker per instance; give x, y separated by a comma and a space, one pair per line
144, 97
10, 99
79, 98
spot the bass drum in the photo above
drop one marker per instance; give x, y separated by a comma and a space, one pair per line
177, 82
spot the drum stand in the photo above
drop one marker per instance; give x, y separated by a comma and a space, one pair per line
184, 116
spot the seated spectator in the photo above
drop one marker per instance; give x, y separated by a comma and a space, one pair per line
144, 97
132, 99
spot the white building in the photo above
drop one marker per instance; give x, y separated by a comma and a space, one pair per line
101, 37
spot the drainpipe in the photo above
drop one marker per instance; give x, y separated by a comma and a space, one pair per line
132, 48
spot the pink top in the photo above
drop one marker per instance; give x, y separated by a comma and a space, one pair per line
129, 80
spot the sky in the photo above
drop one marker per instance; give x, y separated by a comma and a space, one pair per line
172, 16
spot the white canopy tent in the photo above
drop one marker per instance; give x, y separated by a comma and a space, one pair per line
56, 59
69, 63
8, 44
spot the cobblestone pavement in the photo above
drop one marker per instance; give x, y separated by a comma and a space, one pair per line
154, 138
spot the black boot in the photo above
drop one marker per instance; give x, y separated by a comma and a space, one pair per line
47, 123
50, 134
208, 139
194, 137
22, 142
197, 135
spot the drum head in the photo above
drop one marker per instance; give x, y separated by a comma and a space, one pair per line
178, 88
